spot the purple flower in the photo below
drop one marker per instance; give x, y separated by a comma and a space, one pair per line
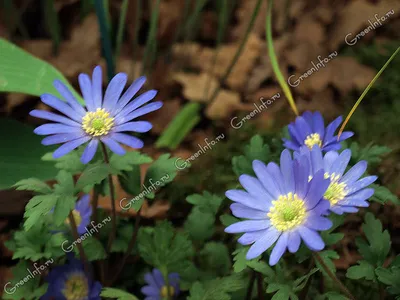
157, 288
82, 213
101, 120
70, 282
282, 206
309, 130
346, 191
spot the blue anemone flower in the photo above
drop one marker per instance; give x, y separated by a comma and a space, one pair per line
309, 130
157, 288
346, 191
69, 282
82, 214
282, 206
101, 120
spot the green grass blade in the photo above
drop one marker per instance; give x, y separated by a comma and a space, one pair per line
151, 43
86, 7
192, 24
274, 60
101, 12
239, 50
135, 45
121, 27
366, 91
21, 72
183, 21
180, 126
52, 23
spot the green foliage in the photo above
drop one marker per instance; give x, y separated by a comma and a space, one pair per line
92, 247
215, 258
200, 225
327, 256
93, 174
124, 234
371, 153
391, 278
207, 203
117, 294
128, 161
383, 195
70, 162
162, 171
329, 237
32, 184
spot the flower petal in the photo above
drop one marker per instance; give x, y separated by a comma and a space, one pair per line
114, 90
139, 126
97, 83
246, 226
252, 236
329, 158
360, 184
86, 89
128, 140
42, 114
261, 245
279, 249
317, 189
270, 185
340, 164
139, 101
252, 185
246, 199
331, 128
242, 211
66, 93
358, 198
55, 128
355, 172
61, 138
129, 94
89, 151
294, 241
318, 124
287, 171
113, 145
69, 146
150, 290
61, 106
311, 238
316, 222
140, 112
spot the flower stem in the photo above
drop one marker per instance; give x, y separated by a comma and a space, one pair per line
129, 250
250, 286
340, 285
260, 290
79, 245
112, 197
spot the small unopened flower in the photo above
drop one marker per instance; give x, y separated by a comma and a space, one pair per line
101, 120
309, 130
346, 191
82, 213
69, 282
282, 206
157, 288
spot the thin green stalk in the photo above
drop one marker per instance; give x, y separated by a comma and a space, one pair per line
366, 91
86, 7
183, 21
121, 27
239, 50
105, 36
151, 43
13, 19
75, 234
138, 14
274, 60
192, 24
53, 24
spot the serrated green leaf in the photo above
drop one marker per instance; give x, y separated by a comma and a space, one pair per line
126, 162
121, 242
363, 270
70, 162
206, 202
117, 294
371, 153
32, 184
215, 258
65, 184
391, 278
161, 172
240, 261
37, 207
328, 236
228, 220
200, 226
64, 205
327, 256
334, 296
93, 174
93, 248
383, 195
261, 267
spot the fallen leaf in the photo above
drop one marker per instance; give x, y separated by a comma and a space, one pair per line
194, 85
224, 105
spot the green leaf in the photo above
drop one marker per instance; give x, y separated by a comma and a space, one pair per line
240, 261
261, 267
64, 205
65, 184
20, 152
130, 182
327, 256
334, 296
378, 246
70, 162
371, 153
206, 203
301, 282
93, 248
383, 194
199, 225
363, 270
37, 207
255, 150
127, 162
160, 172
121, 242
117, 294
328, 236
93, 174
391, 278
24, 73
32, 184
215, 258
228, 220
282, 291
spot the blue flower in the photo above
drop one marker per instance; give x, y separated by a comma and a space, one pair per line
282, 206
82, 214
100, 120
157, 288
309, 130
346, 191
69, 282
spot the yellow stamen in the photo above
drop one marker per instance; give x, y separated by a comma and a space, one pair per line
287, 212
77, 217
98, 122
165, 289
336, 191
313, 139
76, 287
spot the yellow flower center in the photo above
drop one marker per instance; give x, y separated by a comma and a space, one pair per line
336, 191
287, 212
98, 122
165, 289
77, 218
76, 287
313, 139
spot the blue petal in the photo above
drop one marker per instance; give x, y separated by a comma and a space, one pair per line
55, 128
95, 291
274, 170
329, 159
294, 241
61, 106
316, 222
247, 199
268, 182
158, 277
97, 83
253, 186
279, 249
287, 171
242, 211
355, 172
331, 128
322, 208
332, 147
318, 124
317, 162
61, 138
300, 171
53, 117
113, 145
358, 199
296, 137
317, 189
66, 93
348, 209
139, 126
69, 146
150, 291
128, 140
148, 277
345, 135
249, 225
340, 164
140, 112
129, 94
139, 101
250, 237
360, 184
303, 129
90, 151
290, 145
308, 116
86, 89
311, 238
114, 90
261, 245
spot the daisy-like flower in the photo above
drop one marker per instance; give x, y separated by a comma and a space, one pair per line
82, 214
346, 191
282, 206
69, 282
309, 130
157, 287
101, 120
